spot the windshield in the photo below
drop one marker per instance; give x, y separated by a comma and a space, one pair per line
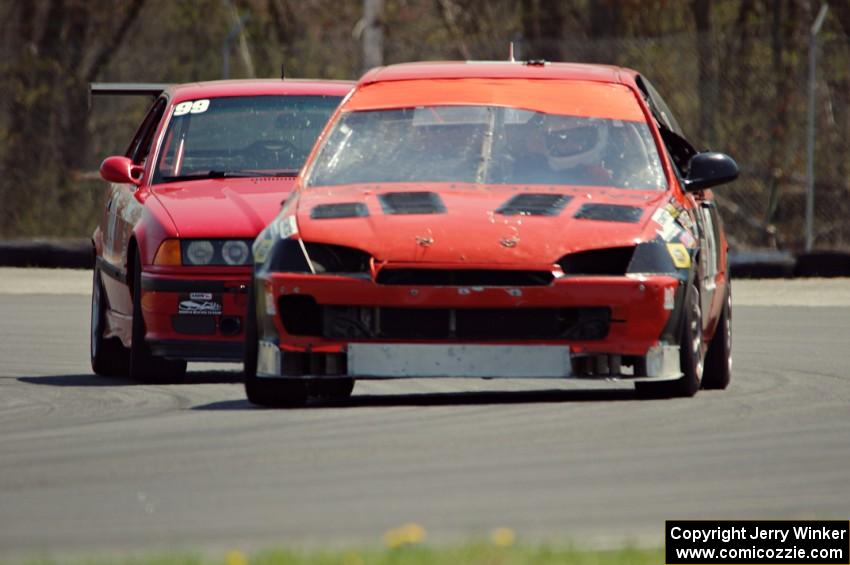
241, 136
489, 145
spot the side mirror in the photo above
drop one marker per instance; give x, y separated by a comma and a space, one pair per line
121, 169
710, 169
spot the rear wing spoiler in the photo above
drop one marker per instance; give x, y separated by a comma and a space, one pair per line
152, 89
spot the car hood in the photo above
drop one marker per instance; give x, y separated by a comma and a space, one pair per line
223, 207
477, 224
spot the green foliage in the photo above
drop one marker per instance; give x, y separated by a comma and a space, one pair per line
468, 554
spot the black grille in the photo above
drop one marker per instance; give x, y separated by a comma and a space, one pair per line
412, 203
463, 277
440, 324
610, 213
534, 205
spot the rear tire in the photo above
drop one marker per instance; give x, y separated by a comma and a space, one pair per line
109, 358
690, 355
718, 359
144, 367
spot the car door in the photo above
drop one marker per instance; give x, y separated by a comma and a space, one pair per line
712, 262
122, 212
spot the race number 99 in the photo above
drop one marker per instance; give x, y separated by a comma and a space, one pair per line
190, 107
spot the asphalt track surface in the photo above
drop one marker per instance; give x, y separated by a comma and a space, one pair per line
90, 464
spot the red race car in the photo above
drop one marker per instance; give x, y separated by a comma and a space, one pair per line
515, 219
206, 170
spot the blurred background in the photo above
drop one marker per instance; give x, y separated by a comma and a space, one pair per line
736, 72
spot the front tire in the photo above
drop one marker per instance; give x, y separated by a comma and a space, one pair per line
271, 392
109, 358
276, 393
690, 355
144, 367
332, 389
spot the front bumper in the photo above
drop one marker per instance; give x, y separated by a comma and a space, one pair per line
196, 316
639, 340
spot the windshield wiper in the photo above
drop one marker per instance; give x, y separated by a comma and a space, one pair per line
230, 174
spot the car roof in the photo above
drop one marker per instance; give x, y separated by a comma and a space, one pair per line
499, 69
258, 87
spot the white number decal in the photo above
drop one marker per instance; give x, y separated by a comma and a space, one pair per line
200, 106
182, 108
196, 107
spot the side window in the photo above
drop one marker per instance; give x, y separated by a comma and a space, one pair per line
679, 148
141, 144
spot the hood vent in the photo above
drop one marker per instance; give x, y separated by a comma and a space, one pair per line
610, 213
534, 205
412, 203
341, 210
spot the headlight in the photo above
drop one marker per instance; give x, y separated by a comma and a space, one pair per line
287, 256
608, 261
229, 252
199, 252
235, 252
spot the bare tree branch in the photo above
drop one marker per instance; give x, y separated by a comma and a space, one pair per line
448, 12
108, 49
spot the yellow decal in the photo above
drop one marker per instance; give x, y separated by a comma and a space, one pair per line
680, 255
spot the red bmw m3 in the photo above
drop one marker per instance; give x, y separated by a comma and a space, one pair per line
206, 170
495, 219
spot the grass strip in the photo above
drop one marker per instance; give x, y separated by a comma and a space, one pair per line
412, 554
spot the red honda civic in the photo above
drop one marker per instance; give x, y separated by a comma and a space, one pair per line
206, 170
498, 219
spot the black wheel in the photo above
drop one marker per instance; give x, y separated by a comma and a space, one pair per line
144, 367
690, 355
335, 389
718, 359
109, 358
276, 393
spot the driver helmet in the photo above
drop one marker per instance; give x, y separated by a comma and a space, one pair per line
573, 141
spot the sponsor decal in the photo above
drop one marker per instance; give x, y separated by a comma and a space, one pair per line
200, 303
687, 239
668, 229
685, 221
679, 253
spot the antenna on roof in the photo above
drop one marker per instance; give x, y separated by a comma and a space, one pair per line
511, 52
282, 71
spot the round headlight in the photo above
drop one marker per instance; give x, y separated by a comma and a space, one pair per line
200, 252
235, 252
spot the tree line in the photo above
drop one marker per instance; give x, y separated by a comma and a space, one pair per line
734, 71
